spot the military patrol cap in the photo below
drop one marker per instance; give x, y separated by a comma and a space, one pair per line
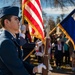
10, 10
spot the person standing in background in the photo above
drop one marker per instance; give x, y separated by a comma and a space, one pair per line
66, 53
25, 40
27, 33
58, 53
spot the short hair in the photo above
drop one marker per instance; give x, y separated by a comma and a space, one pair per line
5, 17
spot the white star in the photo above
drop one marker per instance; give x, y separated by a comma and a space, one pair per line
73, 16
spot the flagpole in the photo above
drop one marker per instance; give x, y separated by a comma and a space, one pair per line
28, 55
22, 7
52, 30
46, 57
45, 60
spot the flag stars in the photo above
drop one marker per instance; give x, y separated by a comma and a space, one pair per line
73, 16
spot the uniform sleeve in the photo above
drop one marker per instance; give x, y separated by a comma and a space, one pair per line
10, 58
28, 46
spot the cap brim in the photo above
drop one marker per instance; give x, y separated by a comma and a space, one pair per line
19, 18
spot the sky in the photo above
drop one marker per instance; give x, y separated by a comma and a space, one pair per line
50, 11
58, 11
4, 3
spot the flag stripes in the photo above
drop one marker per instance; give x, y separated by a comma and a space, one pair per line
38, 11
35, 26
33, 14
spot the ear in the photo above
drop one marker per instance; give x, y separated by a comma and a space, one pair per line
6, 21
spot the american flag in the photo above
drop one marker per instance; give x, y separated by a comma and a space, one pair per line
32, 12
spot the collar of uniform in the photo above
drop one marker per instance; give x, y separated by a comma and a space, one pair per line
14, 36
7, 34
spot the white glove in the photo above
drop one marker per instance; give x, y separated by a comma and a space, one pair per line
36, 48
40, 67
53, 45
39, 54
50, 68
39, 43
22, 35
